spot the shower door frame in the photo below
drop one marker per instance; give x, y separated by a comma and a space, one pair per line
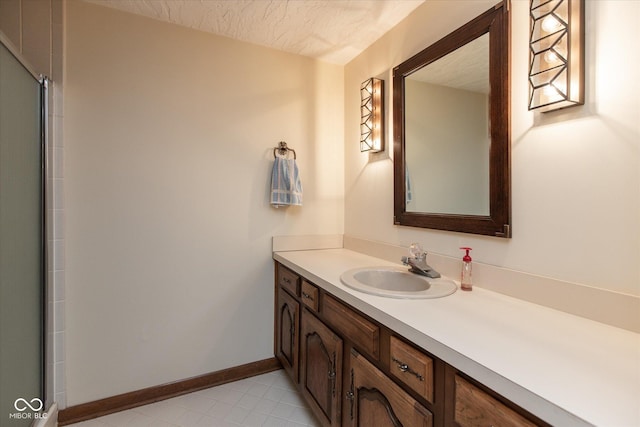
46, 346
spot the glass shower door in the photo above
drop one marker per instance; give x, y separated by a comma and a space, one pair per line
21, 244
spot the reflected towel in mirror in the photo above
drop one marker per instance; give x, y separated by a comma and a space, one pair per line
407, 185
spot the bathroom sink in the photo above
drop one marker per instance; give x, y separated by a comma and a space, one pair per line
396, 282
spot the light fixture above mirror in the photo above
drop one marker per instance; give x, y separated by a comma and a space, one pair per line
372, 115
556, 71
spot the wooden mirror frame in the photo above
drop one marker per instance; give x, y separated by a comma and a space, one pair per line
496, 22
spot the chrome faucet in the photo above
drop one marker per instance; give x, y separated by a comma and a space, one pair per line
418, 262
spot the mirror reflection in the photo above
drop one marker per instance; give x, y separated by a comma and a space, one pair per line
447, 135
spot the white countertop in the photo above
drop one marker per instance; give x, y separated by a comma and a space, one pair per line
567, 370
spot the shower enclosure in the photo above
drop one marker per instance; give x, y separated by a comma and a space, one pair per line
22, 242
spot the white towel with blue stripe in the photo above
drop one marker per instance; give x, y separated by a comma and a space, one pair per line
286, 187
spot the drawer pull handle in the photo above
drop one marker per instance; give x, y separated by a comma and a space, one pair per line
307, 296
286, 280
405, 368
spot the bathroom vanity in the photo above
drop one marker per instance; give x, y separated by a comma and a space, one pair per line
468, 359
354, 371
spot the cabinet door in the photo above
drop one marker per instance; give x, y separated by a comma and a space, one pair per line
287, 323
321, 369
372, 399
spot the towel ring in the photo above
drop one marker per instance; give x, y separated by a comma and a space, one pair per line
283, 150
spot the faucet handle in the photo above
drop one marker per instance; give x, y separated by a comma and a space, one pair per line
416, 251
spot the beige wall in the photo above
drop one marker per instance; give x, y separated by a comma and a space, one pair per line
449, 150
575, 173
169, 137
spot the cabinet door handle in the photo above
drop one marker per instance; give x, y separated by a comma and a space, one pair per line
350, 396
405, 368
332, 375
307, 296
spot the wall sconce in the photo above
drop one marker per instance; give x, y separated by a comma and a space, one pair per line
372, 115
556, 72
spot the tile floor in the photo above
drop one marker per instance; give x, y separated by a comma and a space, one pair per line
268, 400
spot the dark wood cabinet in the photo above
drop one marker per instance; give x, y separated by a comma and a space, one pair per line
309, 294
470, 404
286, 332
321, 369
353, 371
375, 400
364, 333
287, 279
412, 367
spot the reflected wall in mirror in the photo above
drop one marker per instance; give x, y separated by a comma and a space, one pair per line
451, 131
447, 123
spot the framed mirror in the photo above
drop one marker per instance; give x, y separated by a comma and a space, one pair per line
451, 121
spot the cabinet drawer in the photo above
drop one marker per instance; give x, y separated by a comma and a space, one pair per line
309, 295
412, 367
288, 280
474, 407
363, 333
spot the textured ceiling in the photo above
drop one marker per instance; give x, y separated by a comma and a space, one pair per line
465, 68
332, 30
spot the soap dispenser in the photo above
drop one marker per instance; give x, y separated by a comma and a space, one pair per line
465, 276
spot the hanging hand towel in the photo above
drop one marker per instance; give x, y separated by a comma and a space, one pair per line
286, 187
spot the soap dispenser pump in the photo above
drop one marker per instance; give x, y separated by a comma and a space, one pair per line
466, 283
